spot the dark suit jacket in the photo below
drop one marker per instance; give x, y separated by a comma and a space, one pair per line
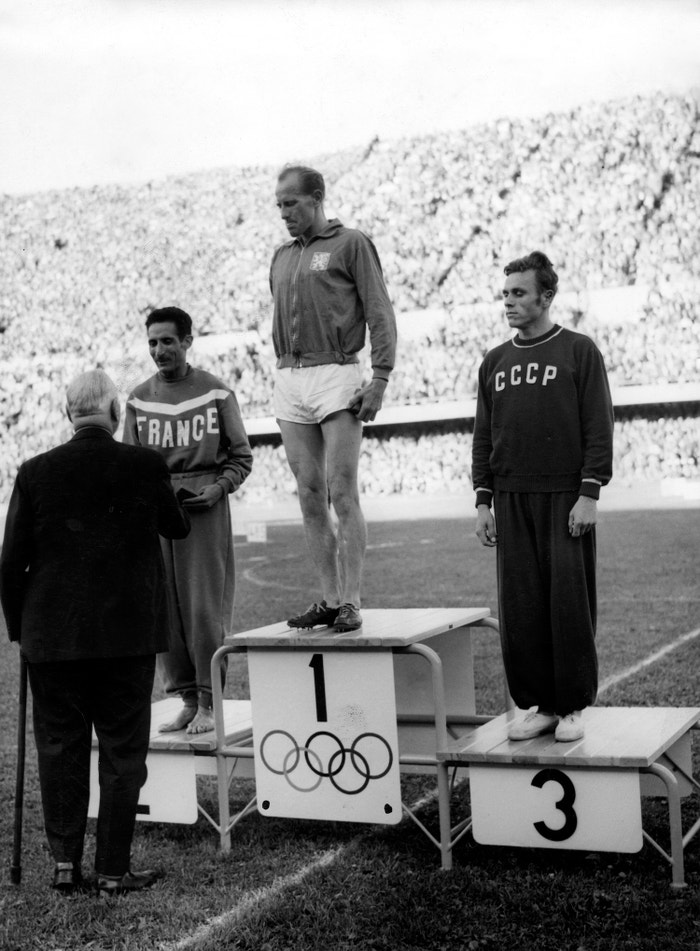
81, 573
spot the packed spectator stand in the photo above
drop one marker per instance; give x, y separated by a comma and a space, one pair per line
610, 191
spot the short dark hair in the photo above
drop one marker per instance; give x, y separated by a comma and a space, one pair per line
536, 261
181, 319
310, 180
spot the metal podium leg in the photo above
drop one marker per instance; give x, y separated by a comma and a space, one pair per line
674, 822
444, 814
221, 770
443, 782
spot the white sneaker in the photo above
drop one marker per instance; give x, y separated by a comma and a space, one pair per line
533, 724
569, 728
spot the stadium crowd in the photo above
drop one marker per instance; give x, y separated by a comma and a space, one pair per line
438, 463
609, 190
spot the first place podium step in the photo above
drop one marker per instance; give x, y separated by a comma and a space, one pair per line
338, 716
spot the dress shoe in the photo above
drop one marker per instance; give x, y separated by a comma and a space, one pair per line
108, 885
67, 879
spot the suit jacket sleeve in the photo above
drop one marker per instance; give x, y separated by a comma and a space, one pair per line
16, 554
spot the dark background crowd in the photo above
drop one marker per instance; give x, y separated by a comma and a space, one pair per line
610, 191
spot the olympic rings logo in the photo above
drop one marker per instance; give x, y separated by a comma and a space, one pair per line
349, 768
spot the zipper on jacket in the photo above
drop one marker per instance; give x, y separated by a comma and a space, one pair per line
294, 303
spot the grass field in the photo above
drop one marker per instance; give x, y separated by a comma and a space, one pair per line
336, 886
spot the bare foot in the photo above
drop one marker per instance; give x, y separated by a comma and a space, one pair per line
203, 721
185, 716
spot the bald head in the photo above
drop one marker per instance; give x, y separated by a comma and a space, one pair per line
92, 400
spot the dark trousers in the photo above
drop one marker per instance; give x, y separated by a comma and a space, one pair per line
547, 602
69, 698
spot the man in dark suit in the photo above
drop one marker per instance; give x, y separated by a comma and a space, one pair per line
83, 591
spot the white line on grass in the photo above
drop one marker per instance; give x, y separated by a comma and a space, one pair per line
261, 896
649, 660
254, 900
250, 575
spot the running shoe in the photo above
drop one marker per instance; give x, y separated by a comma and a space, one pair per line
315, 614
569, 728
348, 619
533, 724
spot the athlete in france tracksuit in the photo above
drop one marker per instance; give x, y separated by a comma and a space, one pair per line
194, 422
543, 441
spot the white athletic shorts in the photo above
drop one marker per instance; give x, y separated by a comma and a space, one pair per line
309, 394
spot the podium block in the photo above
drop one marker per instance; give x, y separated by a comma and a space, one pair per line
176, 759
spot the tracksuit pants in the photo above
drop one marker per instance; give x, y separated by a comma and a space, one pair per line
547, 602
68, 699
200, 578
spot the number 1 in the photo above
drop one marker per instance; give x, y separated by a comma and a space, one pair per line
319, 687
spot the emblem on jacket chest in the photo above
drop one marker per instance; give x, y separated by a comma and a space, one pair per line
319, 262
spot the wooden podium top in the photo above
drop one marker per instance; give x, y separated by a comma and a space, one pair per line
620, 737
238, 725
383, 627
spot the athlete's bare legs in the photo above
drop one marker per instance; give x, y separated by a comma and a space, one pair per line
324, 459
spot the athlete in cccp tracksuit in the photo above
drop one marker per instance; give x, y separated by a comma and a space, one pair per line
542, 449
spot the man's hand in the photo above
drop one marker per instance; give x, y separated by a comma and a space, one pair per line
583, 516
206, 497
367, 401
486, 526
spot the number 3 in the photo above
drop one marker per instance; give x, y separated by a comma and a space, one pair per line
564, 805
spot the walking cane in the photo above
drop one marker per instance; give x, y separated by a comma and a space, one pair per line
16, 868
